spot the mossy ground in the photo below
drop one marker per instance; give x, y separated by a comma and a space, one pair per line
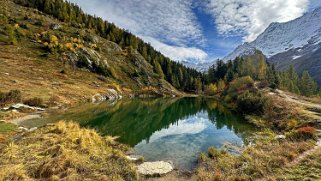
65, 151
6, 129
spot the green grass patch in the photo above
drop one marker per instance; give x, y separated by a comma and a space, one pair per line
7, 127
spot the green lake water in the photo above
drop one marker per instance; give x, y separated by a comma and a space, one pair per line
176, 129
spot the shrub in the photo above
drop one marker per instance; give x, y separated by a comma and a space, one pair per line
302, 134
240, 84
38, 102
278, 109
12, 39
251, 103
10, 97
211, 89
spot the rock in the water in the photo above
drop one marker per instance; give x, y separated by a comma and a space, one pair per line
112, 94
280, 137
20, 106
155, 168
97, 98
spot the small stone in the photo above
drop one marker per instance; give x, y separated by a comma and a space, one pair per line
133, 158
32, 129
279, 137
155, 168
23, 129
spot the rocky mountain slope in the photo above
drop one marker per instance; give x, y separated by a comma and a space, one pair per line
296, 42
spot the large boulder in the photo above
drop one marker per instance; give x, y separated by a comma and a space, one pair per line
21, 106
155, 168
111, 94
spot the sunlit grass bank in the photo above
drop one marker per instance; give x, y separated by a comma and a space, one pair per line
65, 151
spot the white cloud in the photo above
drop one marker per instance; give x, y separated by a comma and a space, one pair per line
249, 18
169, 20
176, 52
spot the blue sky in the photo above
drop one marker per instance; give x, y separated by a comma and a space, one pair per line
193, 30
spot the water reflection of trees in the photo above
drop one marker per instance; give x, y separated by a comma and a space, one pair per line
136, 120
220, 116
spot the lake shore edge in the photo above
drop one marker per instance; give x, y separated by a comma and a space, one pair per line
203, 158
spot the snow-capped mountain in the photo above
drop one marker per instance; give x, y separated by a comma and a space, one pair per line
201, 67
297, 43
282, 37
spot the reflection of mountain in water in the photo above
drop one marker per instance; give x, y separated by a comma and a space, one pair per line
136, 120
164, 129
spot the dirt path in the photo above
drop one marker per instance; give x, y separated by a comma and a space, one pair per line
305, 154
307, 108
297, 100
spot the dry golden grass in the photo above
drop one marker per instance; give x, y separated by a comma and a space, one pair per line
255, 162
65, 151
308, 169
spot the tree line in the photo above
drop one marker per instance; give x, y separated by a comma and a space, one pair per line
222, 73
180, 76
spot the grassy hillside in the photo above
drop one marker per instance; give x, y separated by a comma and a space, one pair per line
181, 77
44, 57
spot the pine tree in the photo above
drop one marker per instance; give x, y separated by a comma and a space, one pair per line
47, 7
11, 35
221, 85
262, 68
158, 69
198, 85
307, 86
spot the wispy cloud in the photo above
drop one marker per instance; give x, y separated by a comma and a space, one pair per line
170, 20
178, 53
249, 18
178, 31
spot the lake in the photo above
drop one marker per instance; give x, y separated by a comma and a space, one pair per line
175, 129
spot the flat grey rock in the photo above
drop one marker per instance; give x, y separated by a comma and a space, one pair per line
155, 168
